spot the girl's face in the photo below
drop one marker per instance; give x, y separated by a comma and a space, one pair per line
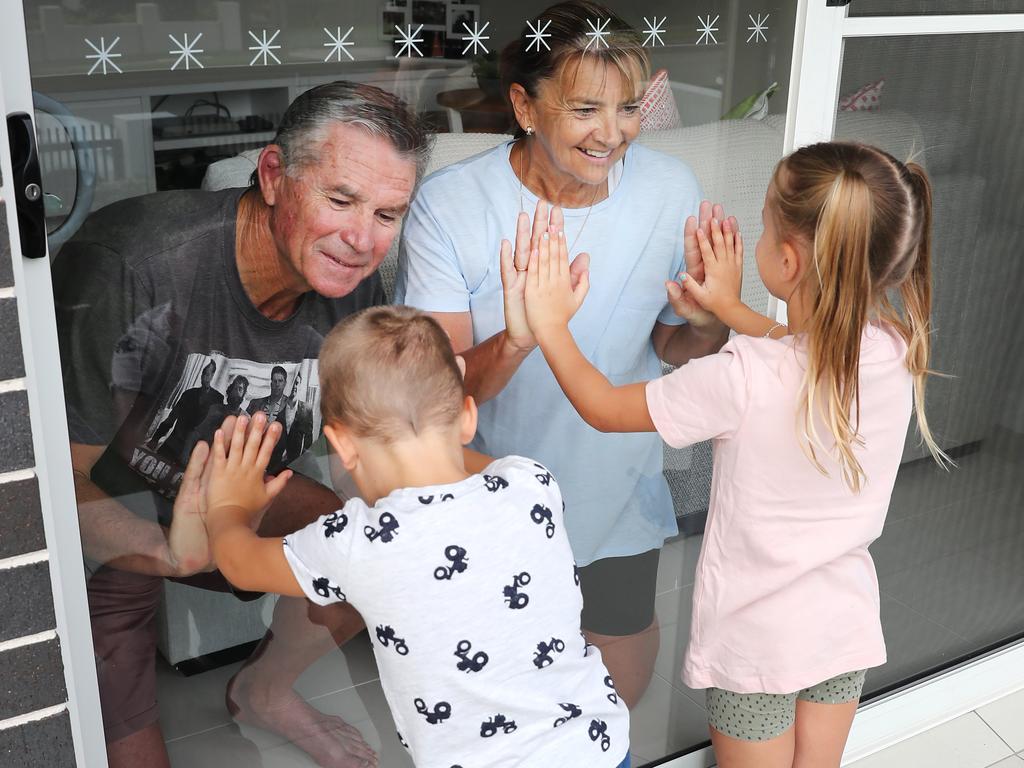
585, 120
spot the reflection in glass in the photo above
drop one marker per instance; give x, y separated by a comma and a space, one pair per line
948, 560
181, 96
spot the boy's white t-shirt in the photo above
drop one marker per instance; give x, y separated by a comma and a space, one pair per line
472, 601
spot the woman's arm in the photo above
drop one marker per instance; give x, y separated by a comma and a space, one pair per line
678, 344
550, 304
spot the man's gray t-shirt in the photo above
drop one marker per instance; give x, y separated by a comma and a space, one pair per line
159, 340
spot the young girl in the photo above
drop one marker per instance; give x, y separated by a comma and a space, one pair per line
809, 423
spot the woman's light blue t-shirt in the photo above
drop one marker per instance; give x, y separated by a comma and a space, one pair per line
617, 500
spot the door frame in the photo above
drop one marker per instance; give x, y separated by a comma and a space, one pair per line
44, 388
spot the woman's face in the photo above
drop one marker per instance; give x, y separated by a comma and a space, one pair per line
585, 119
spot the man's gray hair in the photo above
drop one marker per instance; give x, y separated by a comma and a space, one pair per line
305, 123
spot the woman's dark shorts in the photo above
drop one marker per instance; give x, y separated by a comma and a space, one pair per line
618, 593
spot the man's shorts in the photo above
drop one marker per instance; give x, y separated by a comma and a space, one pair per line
122, 609
764, 716
618, 594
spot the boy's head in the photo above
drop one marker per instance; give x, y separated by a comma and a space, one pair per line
388, 374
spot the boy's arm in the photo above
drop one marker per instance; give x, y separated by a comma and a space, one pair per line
249, 561
550, 304
236, 492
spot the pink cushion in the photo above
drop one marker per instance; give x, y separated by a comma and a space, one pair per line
865, 99
658, 107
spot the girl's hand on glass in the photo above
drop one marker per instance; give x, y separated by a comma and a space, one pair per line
515, 261
238, 463
551, 297
722, 256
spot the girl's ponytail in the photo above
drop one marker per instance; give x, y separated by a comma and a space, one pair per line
842, 268
865, 218
916, 295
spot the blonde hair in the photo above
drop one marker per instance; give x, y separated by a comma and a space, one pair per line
866, 218
389, 373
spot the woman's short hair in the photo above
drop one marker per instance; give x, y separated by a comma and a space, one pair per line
565, 27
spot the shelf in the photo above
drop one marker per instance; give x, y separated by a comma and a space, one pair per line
213, 140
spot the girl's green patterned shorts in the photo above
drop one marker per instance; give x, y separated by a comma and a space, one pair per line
764, 716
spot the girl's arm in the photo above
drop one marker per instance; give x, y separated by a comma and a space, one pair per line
550, 303
236, 492
722, 255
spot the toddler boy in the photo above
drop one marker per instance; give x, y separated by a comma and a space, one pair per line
466, 581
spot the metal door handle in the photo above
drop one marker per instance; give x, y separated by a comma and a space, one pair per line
27, 185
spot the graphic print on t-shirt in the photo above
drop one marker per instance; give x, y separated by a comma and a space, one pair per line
212, 387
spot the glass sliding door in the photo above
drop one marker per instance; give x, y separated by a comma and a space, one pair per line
940, 89
948, 562
136, 99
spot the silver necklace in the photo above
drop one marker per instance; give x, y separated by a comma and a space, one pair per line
522, 207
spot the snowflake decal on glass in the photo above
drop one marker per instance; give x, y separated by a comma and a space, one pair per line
187, 51
707, 30
537, 34
338, 44
408, 40
476, 37
597, 34
654, 31
760, 26
264, 48
104, 55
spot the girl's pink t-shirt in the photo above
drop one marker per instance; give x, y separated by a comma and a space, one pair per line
786, 594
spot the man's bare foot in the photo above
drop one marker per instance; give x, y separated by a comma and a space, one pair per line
329, 740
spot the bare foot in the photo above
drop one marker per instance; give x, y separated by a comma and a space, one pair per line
329, 740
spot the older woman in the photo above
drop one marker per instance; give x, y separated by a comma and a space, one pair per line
576, 101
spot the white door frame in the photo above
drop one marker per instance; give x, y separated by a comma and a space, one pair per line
43, 383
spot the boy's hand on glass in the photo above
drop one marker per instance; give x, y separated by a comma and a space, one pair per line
722, 255
187, 540
238, 463
551, 297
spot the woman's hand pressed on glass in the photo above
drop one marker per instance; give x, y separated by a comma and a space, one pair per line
548, 220
722, 255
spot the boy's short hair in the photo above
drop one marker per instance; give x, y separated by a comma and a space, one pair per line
388, 373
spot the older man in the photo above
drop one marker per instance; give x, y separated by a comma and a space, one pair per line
148, 293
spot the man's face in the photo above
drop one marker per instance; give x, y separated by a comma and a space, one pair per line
333, 221
277, 384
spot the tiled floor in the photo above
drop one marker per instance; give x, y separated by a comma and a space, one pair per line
951, 573
990, 737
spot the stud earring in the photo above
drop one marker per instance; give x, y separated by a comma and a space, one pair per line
529, 130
